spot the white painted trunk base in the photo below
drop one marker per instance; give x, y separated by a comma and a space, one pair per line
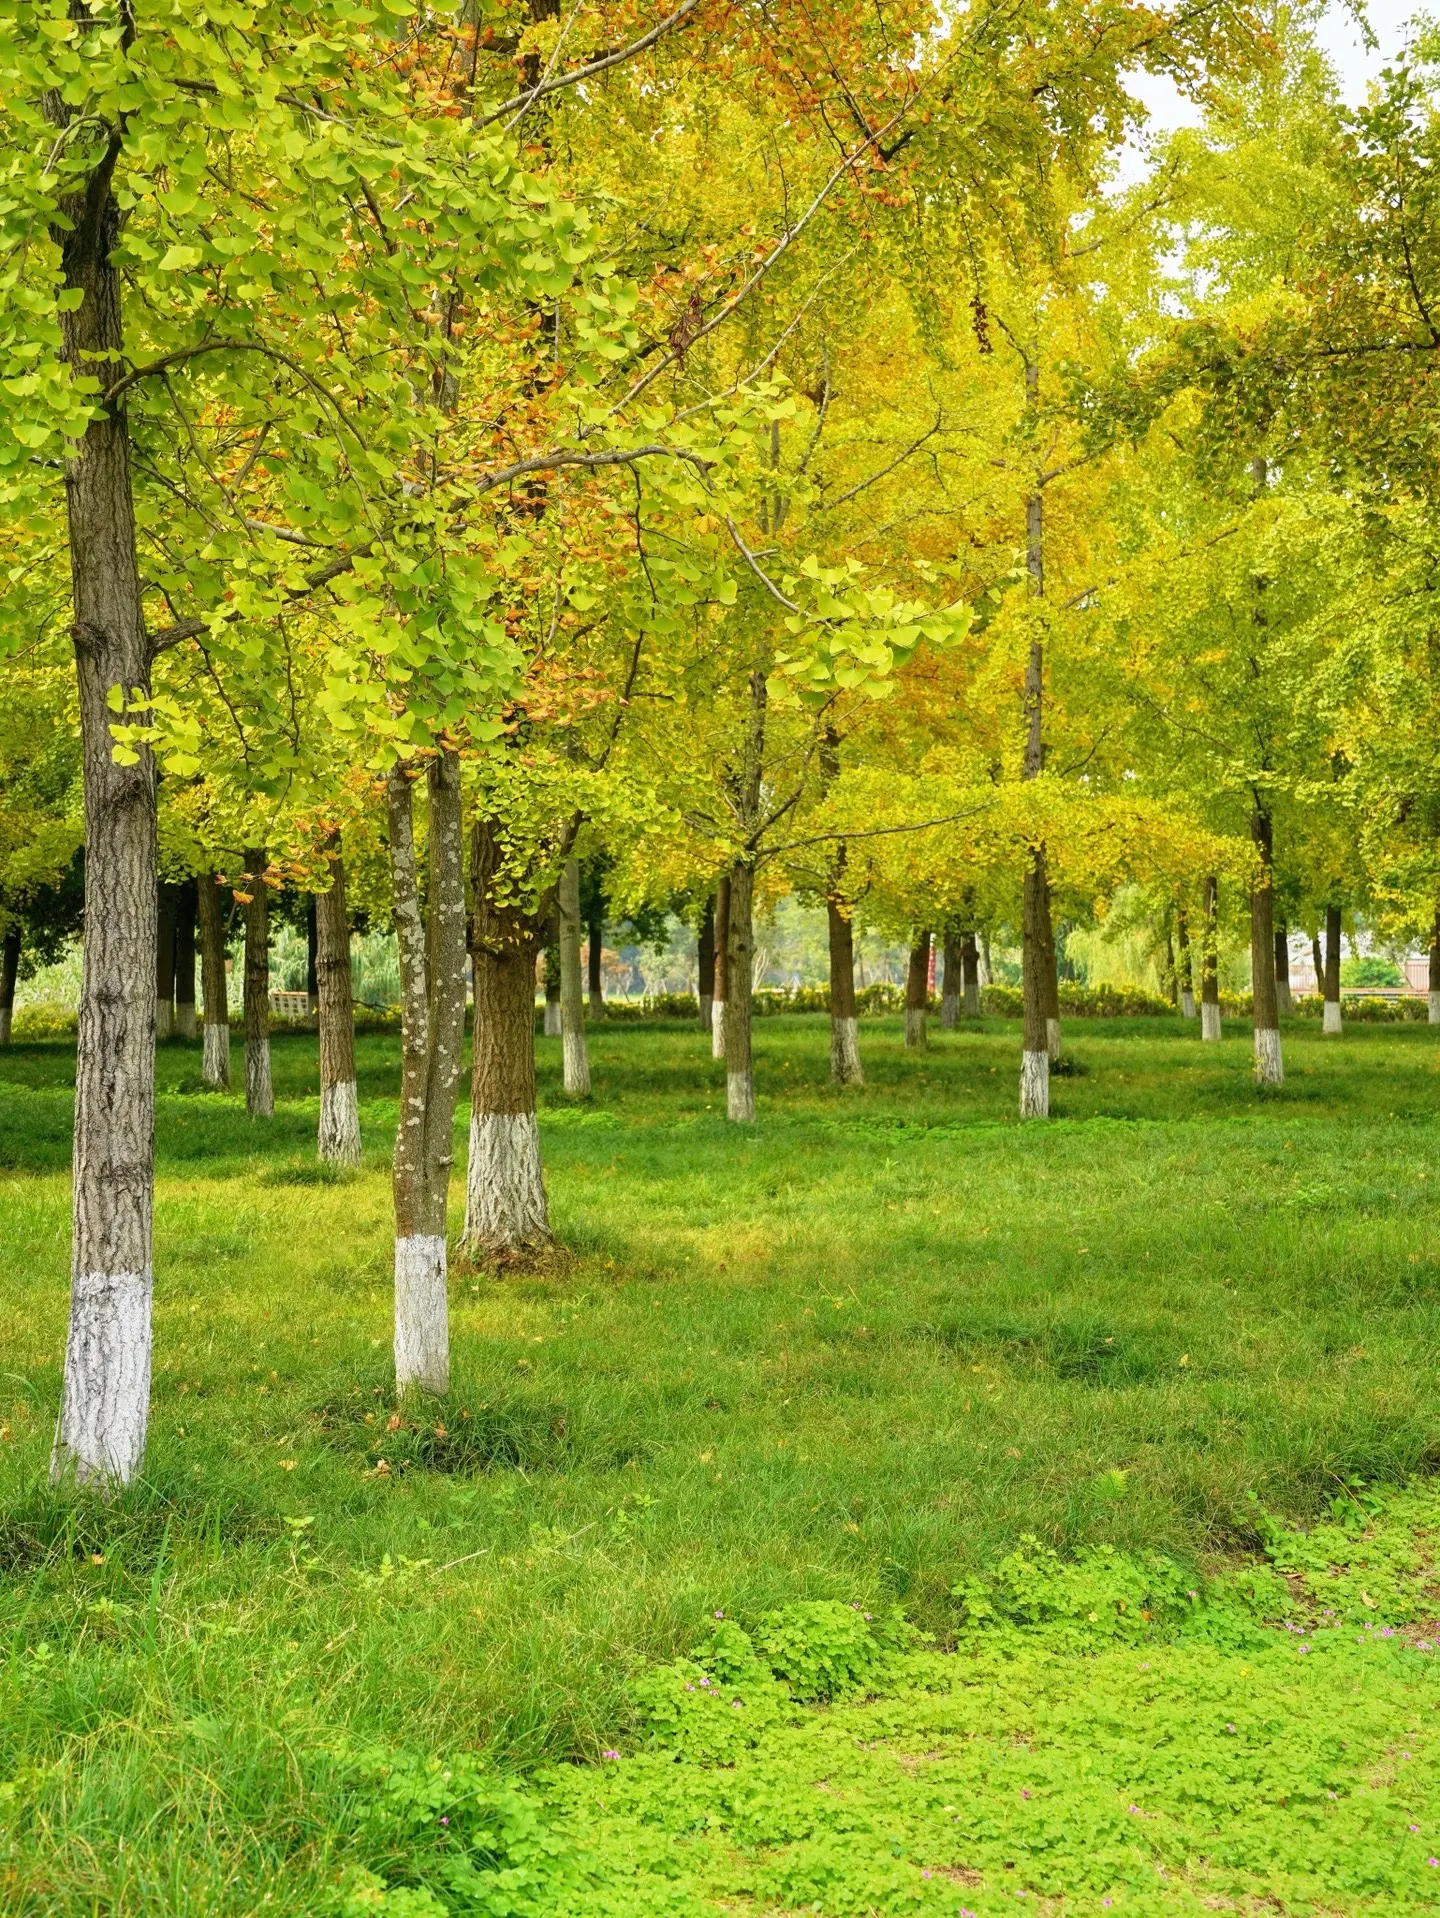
1209, 1020
740, 1097
505, 1184
100, 1438
185, 1018
339, 1138
1269, 1066
163, 1022
1434, 1009
577, 1064
717, 1029
1331, 1022
1187, 1004
552, 1018
845, 1067
259, 1095
422, 1314
915, 1028
216, 1068
1034, 1085
1284, 998
1052, 1038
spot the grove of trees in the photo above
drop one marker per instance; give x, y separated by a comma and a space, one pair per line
483, 466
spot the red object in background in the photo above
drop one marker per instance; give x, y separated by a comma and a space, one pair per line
930, 981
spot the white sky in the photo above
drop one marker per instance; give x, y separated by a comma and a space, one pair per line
1340, 37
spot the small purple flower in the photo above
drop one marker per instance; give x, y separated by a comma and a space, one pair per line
1229, 1728
1134, 1808
1303, 1649
705, 1681
720, 1614
737, 1705
1024, 1794
927, 1874
1414, 1828
1432, 1861
689, 1688
610, 1754
444, 1820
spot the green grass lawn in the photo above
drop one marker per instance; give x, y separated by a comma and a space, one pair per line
852, 1354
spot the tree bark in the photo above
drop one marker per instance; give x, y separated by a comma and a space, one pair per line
970, 964
185, 896
9, 973
505, 1193
596, 954
1332, 1021
1172, 970
164, 960
845, 1067
705, 967
722, 967
1284, 999
740, 944
572, 995
1210, 962
917, 992
216, 1068
338, 1137
552, 978
1035, 1054
985, 972
105, 1401
1269, 1064
1187, 974
259, 1097
432, 1020
1434, 981
950, 994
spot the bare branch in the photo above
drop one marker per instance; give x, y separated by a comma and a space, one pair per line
618, 58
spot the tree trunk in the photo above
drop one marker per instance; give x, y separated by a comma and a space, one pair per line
917, 992
1035, 1056
1210, 962
338, 1139
1332, 1023
722, 967
597, 948
185, 896
1187, 974
9, 973
985, 972
1269, 1064
1172, 971
950, 995
105, 1400
970, 964
705, 968
216, 1068
505, 1190
432, 1017
164, 960
552, 978
1435, 970
1284, 1000
572, 995
259, 1098
845, 1067
740, 946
